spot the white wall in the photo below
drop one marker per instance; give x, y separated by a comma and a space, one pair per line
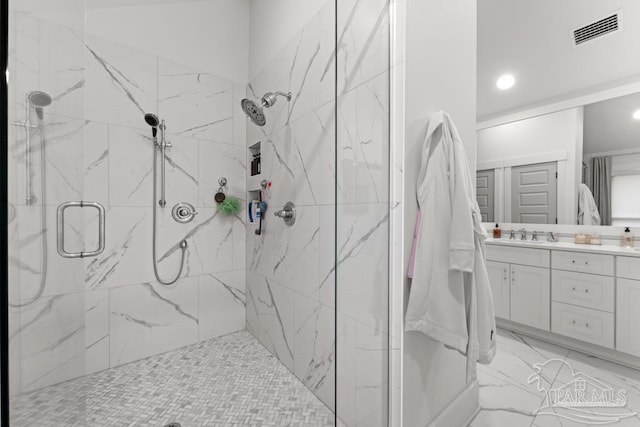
211, 36
555, 136
101, 123
547, 65
285, 18
440, 75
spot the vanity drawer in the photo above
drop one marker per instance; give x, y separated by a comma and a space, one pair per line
583, 324
582, 262
522, 256
628, 267
585, 290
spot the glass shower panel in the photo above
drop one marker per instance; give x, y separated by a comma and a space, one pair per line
48, 306
254, 294
362, 212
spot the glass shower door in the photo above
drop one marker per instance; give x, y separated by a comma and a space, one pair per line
362, 212
49, 310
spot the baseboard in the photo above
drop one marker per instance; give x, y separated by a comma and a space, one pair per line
605, 353
462, 410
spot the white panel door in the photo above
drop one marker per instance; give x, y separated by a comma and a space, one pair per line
499, 279
531, 296
485, 194
628, 316
534, 193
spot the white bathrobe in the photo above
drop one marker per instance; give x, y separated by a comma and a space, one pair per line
450, 298
587, 208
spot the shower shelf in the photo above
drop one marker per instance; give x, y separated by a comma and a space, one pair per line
253, 183
254, 159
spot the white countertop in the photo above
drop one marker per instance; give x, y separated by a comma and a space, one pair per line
564, 246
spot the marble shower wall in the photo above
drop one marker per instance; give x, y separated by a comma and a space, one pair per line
292, 295
102, 312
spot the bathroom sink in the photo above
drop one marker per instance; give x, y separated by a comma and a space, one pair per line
526, 242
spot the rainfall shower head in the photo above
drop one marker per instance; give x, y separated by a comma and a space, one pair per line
255, 112
39, 100
153, 121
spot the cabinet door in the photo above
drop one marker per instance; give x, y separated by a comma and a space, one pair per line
499, 278
628, 316
531, 296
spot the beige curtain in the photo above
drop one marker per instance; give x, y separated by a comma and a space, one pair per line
599, 182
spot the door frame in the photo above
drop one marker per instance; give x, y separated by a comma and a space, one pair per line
4, 235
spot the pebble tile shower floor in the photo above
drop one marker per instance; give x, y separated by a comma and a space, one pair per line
226, 381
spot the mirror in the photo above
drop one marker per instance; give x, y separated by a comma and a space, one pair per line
559, 116
575, 166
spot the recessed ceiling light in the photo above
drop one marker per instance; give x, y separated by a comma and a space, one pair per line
506, 82
636, 114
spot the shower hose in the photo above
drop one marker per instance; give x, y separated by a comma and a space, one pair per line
183, 244
43, 224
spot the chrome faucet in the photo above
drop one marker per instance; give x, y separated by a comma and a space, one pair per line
512, 235
523, 234
551, 237
534, 236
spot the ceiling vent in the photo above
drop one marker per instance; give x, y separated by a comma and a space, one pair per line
601, 27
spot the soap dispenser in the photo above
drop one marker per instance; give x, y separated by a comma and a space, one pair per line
497, 232
626, 240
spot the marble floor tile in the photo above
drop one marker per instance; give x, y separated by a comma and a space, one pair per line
227, 381
597, 371
513, 387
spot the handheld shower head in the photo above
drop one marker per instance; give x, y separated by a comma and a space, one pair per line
39, 100
153, 121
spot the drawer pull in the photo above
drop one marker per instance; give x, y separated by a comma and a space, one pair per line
586, 263
574, 322
573, 261
587, 325
573, 289
586, 290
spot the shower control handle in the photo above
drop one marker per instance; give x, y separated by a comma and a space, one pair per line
284, 214
288, 213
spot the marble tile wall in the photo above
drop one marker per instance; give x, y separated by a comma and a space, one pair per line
341, 190
109, 310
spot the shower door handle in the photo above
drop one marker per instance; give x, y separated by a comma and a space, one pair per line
101, 229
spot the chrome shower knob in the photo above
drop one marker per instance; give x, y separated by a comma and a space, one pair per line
183, 212
288, 214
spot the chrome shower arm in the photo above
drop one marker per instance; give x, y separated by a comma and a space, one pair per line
286, 95
269, 98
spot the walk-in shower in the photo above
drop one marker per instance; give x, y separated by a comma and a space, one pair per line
35, 101
116, 340
255, 112
161, 146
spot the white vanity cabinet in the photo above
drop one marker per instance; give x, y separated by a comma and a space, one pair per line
520, 283
628, 267
564, 291
499, 274
583, 290
530, 292
628, 317
627, 305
